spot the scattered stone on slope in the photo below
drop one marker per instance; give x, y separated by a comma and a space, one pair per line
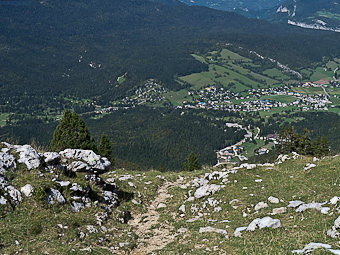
27, 190
309, 248
3, 181
182, 208
273, 200
309, 166
237, 232
14, 194
295, 203
313, 205
279, 210
206, 190
333, 232
161, 205
266, 222
261, 205
214, 230
64, 183
77, 206
334, 200
3, 200
7, 161
54, 195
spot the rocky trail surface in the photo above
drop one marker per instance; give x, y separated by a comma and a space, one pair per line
150, 238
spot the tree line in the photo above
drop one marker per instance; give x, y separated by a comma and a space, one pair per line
291, 141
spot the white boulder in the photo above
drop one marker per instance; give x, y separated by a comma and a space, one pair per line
266, 222
207, 190
28, 156
279, 210
311, 247
260, 206
273, 200
14, 194
54, 195
51, 158
95, 161
27, 190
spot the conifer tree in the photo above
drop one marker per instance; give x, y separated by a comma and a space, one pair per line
105, 148
192, 163
72, 133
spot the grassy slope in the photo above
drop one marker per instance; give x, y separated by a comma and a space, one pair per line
34, 224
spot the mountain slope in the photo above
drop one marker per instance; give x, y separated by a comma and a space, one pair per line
210, 211
315, 14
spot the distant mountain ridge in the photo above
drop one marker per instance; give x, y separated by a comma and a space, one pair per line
314, 14
232, 5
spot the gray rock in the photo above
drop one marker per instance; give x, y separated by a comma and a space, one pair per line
54, 195
14, 194
334, 200
309, 166
313, 205
161, 205
91, 229
79, 166
337, 223
215, 230
207, 190
311, 247
76, 188
28, 156
182, 208
216, 175
3, 182
237, 232
110, 197
266, 222
295, 203
333, 233
64, 183
260, 205
7, 161
27, 190
126, 177
279, 210
273, 200
3, 200
51, 158
95, 161
77, 206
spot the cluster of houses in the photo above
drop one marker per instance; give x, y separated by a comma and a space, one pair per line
150, 92
213, 98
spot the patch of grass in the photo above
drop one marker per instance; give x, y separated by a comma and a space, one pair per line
3, 119
320, 73
276, 74
310, 90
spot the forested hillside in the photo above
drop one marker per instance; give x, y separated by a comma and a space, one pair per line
89, 55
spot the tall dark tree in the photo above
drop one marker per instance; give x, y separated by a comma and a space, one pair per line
72, 133
321, 146
192, 163
105, 148
305, 143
